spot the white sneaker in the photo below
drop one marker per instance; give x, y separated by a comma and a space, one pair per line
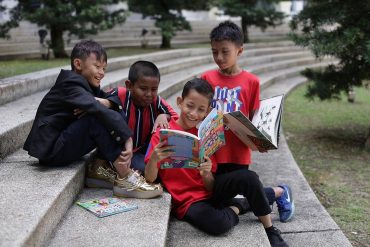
134, 185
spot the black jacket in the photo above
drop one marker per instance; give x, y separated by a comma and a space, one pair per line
55, 114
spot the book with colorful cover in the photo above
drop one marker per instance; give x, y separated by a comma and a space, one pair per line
262, 133
189, 150
107, 206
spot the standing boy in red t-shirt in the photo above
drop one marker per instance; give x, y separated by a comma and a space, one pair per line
236, 89
196, 196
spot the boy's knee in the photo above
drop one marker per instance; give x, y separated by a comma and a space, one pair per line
222, 225
220, 229
250, 176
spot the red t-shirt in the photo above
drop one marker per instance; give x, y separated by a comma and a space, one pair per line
233, 93
185, 185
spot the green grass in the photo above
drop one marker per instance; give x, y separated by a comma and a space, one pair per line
22, 66
327, 141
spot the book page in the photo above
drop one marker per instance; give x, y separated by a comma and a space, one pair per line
243, 128
185, 147
267, 118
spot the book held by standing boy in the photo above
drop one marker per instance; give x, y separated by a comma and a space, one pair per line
262, 132
189, 150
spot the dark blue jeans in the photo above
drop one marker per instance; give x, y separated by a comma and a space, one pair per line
80, 138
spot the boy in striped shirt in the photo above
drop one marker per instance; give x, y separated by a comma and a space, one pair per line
144, 110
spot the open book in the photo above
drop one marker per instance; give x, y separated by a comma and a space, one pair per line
107, 206
262, 133
189, 150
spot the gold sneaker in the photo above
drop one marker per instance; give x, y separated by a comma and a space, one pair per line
100, 174
134, 185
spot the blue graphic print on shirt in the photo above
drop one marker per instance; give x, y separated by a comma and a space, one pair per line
227, 100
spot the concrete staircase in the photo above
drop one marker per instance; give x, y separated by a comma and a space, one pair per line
24, 40
38, 203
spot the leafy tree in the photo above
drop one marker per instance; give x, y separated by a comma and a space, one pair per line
261, 13
60, 16
9, 24
337, 28
167, 15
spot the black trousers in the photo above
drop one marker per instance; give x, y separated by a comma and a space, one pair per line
229, 167
214, 216
80, 138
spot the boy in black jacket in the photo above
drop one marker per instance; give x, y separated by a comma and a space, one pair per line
74, 118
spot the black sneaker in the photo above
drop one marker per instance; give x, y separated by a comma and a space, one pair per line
275, 238
241, 203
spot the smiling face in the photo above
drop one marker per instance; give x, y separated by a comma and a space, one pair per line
194, 108
91, 68
225, 54
144, 90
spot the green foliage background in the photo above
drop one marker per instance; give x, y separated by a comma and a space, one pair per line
337, 28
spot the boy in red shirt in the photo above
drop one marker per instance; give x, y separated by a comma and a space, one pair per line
144, 111
196, 196
236, 89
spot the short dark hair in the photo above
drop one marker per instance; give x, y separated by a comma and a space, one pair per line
143, 68
84, 48
227, 30
199, 85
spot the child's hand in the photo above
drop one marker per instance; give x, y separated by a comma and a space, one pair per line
161, 151
78, 112
161, 122
127, 154
262, 150
124, 160
104, 102
226, 122
205, 167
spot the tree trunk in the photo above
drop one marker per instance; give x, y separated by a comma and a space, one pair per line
166, 42
367, 142
245, 29
57, 42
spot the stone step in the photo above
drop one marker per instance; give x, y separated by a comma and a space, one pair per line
145, 226
276, 65
173, 83
249, 232
34, 198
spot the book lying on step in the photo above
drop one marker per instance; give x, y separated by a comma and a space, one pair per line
262, 133
189, 150
107, 206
